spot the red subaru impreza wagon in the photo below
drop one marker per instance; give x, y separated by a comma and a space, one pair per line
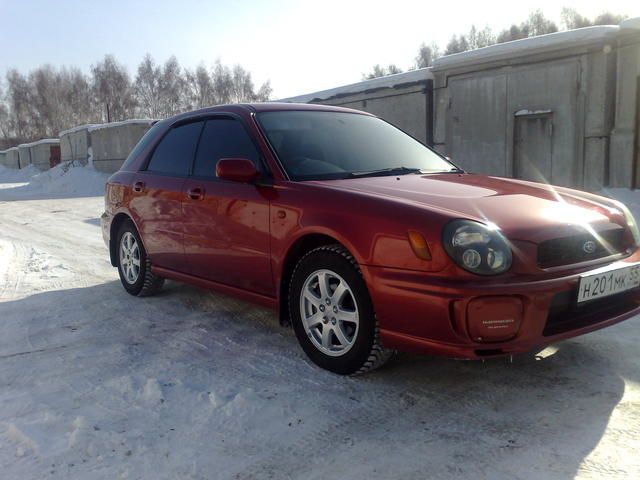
366, 240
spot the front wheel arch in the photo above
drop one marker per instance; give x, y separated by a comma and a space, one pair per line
297, 250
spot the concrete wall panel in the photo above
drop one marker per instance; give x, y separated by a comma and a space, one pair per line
41, 153
111, 144
74, 145
406, 108
24, 156
12, 159
624, 134
476, 123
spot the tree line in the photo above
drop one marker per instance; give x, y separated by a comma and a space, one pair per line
535, 24
47, 100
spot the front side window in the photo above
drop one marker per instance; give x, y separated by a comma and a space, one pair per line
222, 138
174, 153
316, 145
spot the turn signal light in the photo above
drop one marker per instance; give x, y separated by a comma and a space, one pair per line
419, 245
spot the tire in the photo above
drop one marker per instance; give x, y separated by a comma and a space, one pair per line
349, 342
134, 266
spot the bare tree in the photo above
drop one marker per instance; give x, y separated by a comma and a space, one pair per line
571, 19
539, 24
49, 100
112, 89
172, 88
18, 101
426, 55
608, 18
380, 71
200, 88
457, 45
480, 38
536, 24
147, 88
264, 92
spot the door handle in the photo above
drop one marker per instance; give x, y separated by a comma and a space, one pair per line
138, 187
195, 193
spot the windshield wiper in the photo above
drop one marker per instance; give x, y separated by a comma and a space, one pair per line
453, 170
386, 171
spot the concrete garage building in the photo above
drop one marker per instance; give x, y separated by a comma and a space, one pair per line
105, 146
562, 108
404, 99
3, 157
111, 142
74, 144
542, 108
12, 158
45, 153
24, 155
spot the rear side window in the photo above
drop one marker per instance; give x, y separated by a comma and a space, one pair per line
222, 138
174, 153
141, 145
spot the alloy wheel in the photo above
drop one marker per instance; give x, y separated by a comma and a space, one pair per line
130, 257
329, 313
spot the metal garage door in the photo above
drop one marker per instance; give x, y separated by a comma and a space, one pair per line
533, 147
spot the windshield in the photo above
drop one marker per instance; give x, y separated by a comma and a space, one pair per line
313, 145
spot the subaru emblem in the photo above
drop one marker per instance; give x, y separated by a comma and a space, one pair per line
589, 246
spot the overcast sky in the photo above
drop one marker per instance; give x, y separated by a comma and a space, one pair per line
300, 46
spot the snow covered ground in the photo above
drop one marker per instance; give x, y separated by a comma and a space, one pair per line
189, 384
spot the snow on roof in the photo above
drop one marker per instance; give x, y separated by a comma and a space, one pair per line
389, 81
98, 126
133, 121
76, 129
529, 46
630, 24
41, 142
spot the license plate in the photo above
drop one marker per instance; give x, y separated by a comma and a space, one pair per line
609, 280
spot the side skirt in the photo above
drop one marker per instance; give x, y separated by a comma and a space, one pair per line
252, 297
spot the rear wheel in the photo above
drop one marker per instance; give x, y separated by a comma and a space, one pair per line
134, 266
332, 312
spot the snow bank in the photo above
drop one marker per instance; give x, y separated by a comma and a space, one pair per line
64, 180
14, 175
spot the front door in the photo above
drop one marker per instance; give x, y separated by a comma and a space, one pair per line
157, 196
226, 224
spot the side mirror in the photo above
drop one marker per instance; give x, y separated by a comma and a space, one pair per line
236, 169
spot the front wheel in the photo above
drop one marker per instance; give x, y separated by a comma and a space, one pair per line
134, 266
332, 313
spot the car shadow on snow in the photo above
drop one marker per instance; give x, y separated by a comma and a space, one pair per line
93, 351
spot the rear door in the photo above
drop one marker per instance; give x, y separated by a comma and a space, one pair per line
158, 192
226, 224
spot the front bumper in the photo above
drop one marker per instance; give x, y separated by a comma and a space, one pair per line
429, 315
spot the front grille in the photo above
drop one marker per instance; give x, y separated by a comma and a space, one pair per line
568, 250
566, 315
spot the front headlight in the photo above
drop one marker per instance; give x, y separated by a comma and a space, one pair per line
477, 247
631, 222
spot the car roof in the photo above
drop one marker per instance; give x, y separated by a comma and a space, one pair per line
262, 107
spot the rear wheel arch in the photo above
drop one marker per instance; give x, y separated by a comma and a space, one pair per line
296, 251
117, 221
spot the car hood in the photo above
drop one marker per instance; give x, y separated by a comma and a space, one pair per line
522, 210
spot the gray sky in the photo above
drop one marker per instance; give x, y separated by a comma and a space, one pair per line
300, 46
